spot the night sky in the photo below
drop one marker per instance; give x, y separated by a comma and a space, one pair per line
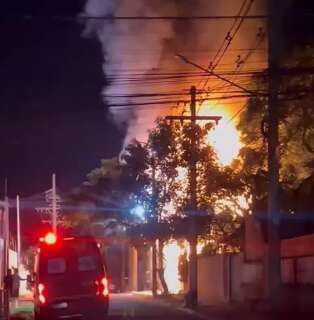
52, 118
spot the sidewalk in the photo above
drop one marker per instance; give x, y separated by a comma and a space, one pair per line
243, 312
22, 307
232, 311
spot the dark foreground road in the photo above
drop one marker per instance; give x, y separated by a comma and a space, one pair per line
129, 306
139, 307
144, 307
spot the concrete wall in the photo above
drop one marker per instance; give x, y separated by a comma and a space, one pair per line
298, 270
228, 278
255, 247
236, 277
211, 279
305, 271
297, 267
133, 269
220, 279
298, 247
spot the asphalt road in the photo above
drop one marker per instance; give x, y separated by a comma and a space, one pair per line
128, 306
139, 307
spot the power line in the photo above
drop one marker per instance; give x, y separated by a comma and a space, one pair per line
226, 37
216, 75
70, 18
260, 37
134, 72
175, 69
133, 78
194, 51
130, 18
149, 95
229, 38
128, 105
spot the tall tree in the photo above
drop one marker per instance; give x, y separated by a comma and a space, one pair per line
296, 129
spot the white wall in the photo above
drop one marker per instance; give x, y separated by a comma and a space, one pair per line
12, 259
211, 279
227, 278
133, 269
236, 280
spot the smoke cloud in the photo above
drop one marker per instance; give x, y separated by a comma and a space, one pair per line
142, 47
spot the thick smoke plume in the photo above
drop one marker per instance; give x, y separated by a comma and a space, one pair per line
141, 46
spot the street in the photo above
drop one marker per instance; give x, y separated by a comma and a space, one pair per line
132, 306
157, 160
136, 306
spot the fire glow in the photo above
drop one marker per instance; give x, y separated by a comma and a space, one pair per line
224, 137
172, 252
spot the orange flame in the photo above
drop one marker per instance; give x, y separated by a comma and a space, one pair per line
224, 138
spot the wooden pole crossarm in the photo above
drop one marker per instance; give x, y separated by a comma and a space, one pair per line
191, 118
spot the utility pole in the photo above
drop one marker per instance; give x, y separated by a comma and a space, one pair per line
123, 264
6, 232
192, 299
193, 185
156, 220
154, 269
54, 204
273, 271
6, 223
18, 232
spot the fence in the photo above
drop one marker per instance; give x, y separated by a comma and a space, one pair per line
297, 270
229, 278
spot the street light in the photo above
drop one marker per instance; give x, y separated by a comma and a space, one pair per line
138, 211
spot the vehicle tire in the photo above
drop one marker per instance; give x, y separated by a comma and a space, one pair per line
97, 316
37, 316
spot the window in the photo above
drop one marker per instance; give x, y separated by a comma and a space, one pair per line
87, 263
56, 266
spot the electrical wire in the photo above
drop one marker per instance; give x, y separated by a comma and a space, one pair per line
83, 17
229, 38
233, 35
128, 105
260, 38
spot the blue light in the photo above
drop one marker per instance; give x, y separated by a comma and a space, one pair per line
138, 211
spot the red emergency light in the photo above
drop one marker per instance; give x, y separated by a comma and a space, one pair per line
50, 238
41, 296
